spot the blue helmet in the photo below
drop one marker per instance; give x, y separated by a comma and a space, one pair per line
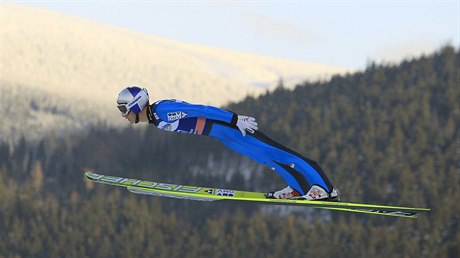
132, 98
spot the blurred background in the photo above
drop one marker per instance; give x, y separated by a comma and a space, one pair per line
369, 89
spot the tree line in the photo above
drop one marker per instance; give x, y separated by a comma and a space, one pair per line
388, 135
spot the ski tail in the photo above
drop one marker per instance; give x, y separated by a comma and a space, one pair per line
391, 213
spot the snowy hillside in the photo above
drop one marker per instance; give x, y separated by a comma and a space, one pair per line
64, 59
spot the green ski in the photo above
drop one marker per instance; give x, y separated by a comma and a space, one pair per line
201, 193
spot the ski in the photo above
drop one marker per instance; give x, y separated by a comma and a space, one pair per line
201, 193
392, 213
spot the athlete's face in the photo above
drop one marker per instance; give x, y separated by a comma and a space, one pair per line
131, 117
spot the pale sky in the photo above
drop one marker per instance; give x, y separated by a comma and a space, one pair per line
342, 33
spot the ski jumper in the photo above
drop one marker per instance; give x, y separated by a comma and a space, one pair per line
299, 172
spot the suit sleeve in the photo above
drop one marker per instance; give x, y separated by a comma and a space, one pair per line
171, 111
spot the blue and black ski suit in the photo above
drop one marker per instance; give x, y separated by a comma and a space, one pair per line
299, 172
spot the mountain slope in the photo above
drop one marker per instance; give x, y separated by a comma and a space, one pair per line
388, 135
88, 63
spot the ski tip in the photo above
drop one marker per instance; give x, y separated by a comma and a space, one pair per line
91, 175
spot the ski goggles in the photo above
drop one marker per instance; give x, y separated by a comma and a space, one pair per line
124, 109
